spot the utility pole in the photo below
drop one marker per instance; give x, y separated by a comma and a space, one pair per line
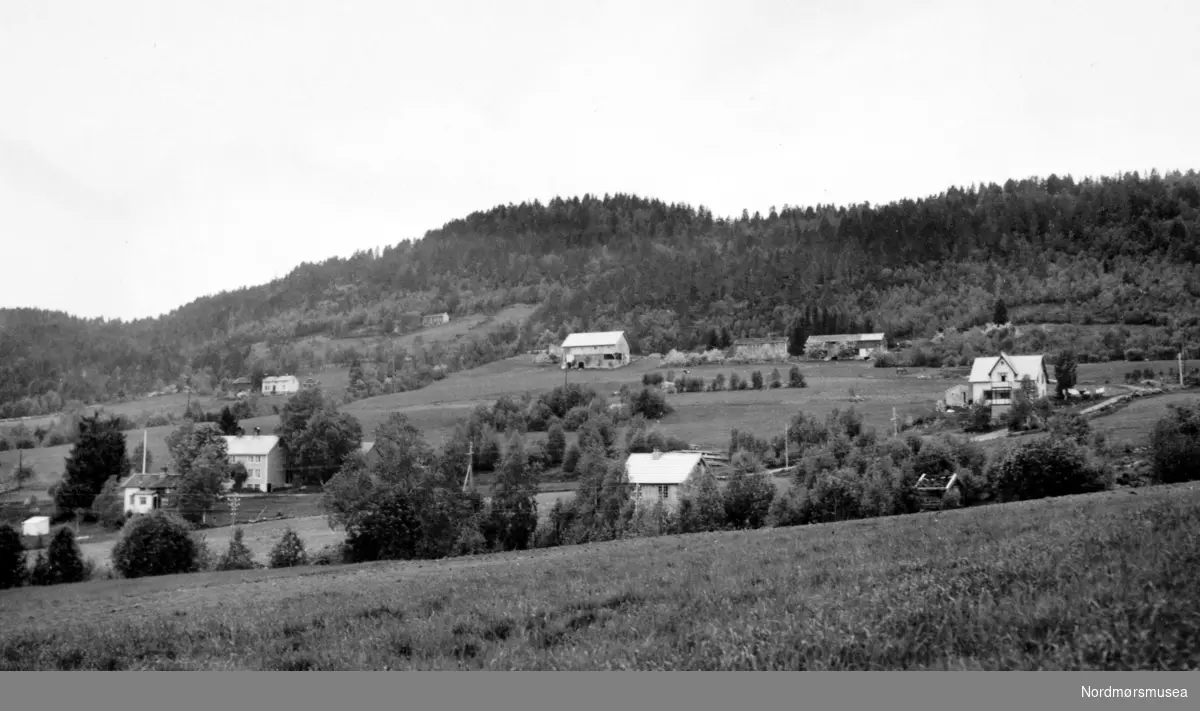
895, 424
470, 459
1180, 357
144, 436
786, 428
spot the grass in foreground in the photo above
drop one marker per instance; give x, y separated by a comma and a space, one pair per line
1097, 582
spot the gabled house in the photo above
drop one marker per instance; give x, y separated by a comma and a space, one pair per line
607, 349
994, 379
263, 457
657, 476
280, 384
143, 493
761, 349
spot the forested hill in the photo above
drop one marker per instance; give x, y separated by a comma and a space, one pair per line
1106, 251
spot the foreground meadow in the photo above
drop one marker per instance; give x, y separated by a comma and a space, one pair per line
1102, 581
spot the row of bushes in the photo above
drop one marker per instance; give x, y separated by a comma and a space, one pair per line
687, 383
158, 543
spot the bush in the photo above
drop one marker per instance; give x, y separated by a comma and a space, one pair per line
953, 498
1046, 468
979, 418
885, 360
756, 380
650, 404
1175, 445
776, 379
158, 543
796, 378
108, 506
64, 560
237, 556
652, 379
1135, 354
576, 418
1070, 425
571, 459
718, 382
748, 499
735, 382
13, 571
332, 554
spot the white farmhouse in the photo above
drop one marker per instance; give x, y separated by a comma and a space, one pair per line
607, 349
657, 476
143, 493
280, 384
994, 379
263, 458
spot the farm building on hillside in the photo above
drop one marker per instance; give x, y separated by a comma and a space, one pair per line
595, 350
993, 379
771, 348
435, 319
840, 345
144, 493
657, 476
280, 384
263, 458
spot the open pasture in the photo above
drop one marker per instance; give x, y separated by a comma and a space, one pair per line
1102, 581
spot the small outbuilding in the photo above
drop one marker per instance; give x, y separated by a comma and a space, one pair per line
36, 526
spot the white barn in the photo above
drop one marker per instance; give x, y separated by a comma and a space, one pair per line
280, 384
657, 476
36, 526
607, 349
993, 379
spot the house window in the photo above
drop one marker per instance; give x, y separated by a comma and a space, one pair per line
1003, 378
141, 500
664, 491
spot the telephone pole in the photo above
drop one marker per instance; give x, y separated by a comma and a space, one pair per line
1180, 357
786, 428
470, 459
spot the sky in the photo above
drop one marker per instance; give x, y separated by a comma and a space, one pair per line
152, 153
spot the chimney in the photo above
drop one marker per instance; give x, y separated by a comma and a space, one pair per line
656, 454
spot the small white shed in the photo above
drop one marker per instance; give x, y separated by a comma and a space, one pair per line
36, 526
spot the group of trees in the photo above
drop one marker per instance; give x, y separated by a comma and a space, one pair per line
1116, 250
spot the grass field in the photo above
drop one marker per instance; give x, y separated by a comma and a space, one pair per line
703, 419
1102, 581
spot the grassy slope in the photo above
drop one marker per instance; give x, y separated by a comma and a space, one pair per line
703, 419
1103, 581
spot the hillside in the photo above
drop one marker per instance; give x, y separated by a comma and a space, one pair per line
1116, 252
1101, 581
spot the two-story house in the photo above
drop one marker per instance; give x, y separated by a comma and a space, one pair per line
263, 457
993, 380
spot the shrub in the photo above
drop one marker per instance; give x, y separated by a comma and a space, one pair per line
776, 379
735, 382
788, 509
158, 543
40, 575
748, 498
237, 556
756, 380
571, 459
885, 360
718, 382
556, 445
1135, 354
332, 554
953, 498
1175, 445
108, 506
1070, 425
978, 419
796, 378
13, 571
650, 404
576, 417
1046, 468
652, 379
64, 560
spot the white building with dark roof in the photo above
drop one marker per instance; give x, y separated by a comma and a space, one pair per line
994, 379
607, 349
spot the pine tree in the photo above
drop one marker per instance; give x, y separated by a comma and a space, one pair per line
237, 556
64, 559
13, 570
289, 551
556, 445
97, 455
1000, 313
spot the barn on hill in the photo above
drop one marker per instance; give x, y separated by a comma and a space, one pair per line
607, 349
842, 345
771, 348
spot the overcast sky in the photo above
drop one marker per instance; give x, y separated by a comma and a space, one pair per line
155, 152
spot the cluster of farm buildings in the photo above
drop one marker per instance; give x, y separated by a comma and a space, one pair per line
655, 476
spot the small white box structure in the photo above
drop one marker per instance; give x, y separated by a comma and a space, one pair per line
36, 526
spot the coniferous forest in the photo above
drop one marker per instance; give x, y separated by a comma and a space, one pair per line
1112, 260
